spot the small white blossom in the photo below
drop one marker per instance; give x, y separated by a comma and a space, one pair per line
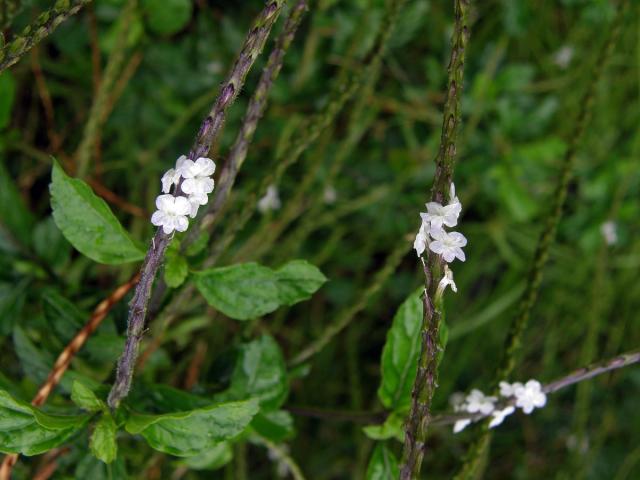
562, 58
456, 400
530, 396
329, 196
202, 167
609, 232
437, 215
172, 213
509, 389
270, 201
422, 239
195, 201
477, 401
500, 415
461, 425
197, 176
447, 279
449, 245
172, 176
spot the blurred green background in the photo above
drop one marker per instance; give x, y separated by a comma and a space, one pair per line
365, 180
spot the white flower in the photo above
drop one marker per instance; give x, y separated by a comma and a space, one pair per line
530, 396
195, 201
476, 402
500, 415
422, 239
329, 196
456, 400
172, 176
509, 389
202, 167
562, 58
609, 232
447, 279
437, 215
197, 176
172, 213
461, 425
448, 244
270, 201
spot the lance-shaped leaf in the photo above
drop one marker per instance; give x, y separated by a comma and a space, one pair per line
260, 373
192, 432
383, 465
400, 355
88, 223
250, 290
26, 430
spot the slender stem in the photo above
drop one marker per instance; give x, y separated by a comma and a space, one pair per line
255, 111
283, 456
513, 343
427, 375
577, 376
98, 112
350, 313
64, 359
207, 136
44, 25
318, 123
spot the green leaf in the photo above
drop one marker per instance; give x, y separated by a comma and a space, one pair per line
167, 17
176, 270
276, 426
63, 317
260, 372
12, 297
383, 465
8, 89
88, 223
391, 428
28, 431
250, 290
103, 440
400, 355
192, 432
212, 459
14, 215
49, 243
92, 468
82, 396
298, 280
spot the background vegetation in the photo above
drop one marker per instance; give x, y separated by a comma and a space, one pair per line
122, 108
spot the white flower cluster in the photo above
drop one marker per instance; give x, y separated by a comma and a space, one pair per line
516, 395
432, 233
197, 184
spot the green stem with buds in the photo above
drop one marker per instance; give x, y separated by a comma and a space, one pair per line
426, 378
513, 344
207, 136
44, 25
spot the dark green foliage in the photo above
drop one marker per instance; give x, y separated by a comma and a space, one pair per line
350, 137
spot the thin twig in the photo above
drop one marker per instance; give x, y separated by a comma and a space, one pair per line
586, 373
427, 375
64, 359
112, 72
582, 374
513, 343
255, 111
44, 25
207, 136
342, 93
347, 316
283, 456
